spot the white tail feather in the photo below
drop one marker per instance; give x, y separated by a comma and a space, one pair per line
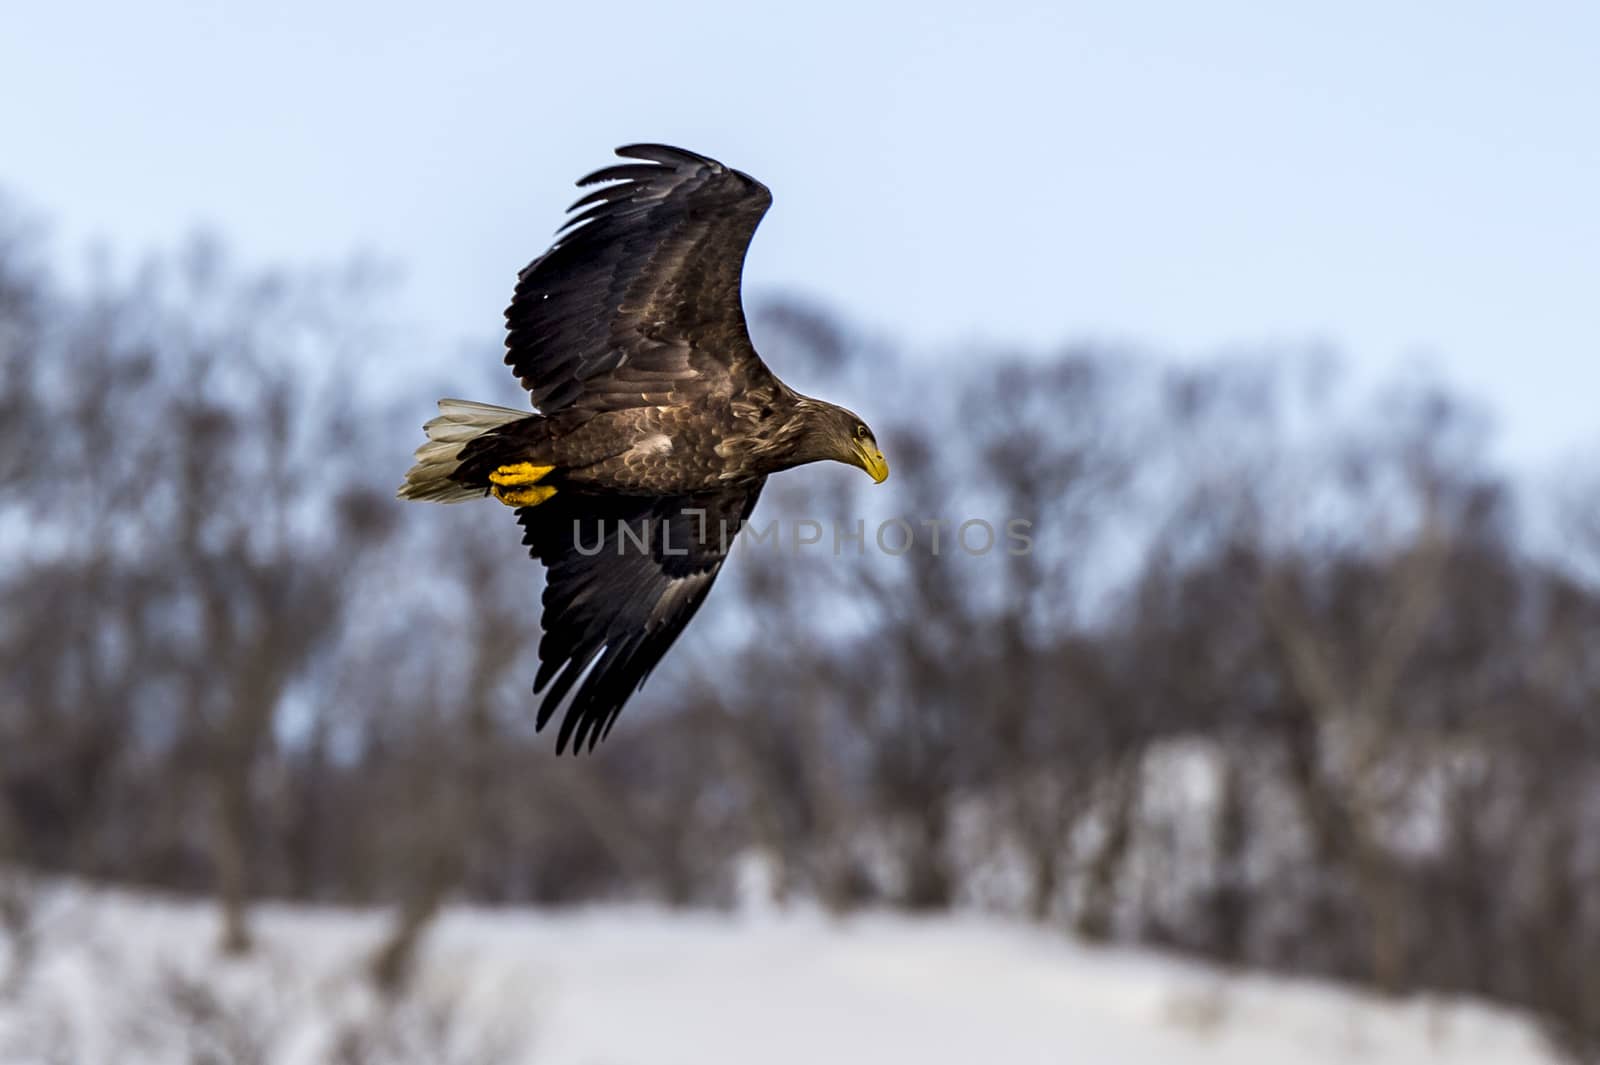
460, 421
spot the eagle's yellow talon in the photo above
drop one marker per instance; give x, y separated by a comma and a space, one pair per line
518, 473
517, 484
523, 497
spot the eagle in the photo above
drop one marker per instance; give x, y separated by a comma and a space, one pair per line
654, 424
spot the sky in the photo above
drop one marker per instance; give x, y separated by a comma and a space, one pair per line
1404, 183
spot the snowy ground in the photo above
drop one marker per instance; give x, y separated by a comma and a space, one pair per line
133, 980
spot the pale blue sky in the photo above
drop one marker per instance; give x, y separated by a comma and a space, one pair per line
1398, 180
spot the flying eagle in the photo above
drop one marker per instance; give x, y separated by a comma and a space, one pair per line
656, 424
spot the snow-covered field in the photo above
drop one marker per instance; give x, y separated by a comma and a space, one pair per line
134, 980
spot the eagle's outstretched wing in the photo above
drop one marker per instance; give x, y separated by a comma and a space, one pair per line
637, 303
624, 574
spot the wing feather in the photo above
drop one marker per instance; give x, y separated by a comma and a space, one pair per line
638, 301
611, 609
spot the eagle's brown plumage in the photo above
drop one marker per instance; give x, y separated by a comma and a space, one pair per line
657, 423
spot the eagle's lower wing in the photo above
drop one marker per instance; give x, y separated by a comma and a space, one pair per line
612, 604
637, 303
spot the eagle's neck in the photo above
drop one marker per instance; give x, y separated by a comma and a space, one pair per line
796, 433
776, 428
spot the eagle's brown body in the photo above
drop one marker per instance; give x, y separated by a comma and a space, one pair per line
709, 444
652, 411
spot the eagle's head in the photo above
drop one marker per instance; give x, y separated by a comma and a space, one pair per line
828, 431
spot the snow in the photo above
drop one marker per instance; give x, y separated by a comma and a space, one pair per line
131, 979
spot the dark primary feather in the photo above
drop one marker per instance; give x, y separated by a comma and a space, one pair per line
638, 303
619, 607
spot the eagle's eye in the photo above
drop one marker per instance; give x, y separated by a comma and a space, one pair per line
861, 432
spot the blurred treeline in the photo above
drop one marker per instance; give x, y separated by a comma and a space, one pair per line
1283, 682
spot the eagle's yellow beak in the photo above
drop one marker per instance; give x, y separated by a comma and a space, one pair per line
871, 459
